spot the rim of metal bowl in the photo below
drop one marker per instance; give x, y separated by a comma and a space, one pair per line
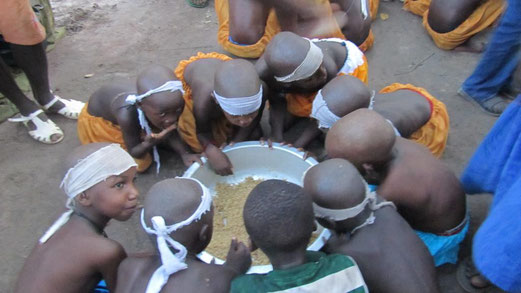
261, 269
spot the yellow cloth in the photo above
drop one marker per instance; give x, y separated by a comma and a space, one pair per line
300, 104
96, 129
221, 129
18, 23
417, 7
373, 8
480, 19
368, 43
434, 133
272, 28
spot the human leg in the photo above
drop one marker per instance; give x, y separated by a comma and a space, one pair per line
13, 93
498, 62
247, 20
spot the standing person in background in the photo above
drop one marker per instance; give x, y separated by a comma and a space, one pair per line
494, 72
20, 27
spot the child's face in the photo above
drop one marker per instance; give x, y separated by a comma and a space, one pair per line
241, 120
310, 84
163, 109
116, 197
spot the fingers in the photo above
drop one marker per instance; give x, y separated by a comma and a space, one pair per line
198, 160
270, 143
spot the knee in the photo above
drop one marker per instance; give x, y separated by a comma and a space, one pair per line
247, 36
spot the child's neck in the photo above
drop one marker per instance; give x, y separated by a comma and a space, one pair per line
287, 260
96, 221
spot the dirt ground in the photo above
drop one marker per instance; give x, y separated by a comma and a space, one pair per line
114, 39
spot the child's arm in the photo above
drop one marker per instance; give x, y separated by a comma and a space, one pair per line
238, 259
277, 113
183, 150
310, 132
111, 254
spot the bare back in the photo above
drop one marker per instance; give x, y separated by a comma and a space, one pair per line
135, 273
427, 193
101, 101
391, 257
356, 29
446, 15
200, 76
407, 110
74, 259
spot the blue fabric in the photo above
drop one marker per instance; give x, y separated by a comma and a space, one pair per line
101, 287
496, 168
444, 249
500, 59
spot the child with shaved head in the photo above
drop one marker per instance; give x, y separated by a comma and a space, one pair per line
297, 68
369, 229
138, 115
75, 253
278, 216
426, 192
178, 213
224, 100
412, 111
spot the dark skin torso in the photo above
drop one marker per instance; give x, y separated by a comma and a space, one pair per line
356, 28
108, 102
406, 109
135, 272
391, 257
426, 192
446, 15
74, 259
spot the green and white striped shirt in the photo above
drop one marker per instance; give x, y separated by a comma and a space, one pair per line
333, 273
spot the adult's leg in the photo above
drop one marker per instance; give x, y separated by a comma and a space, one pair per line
33, 61
9, 89
500, 58
247, 20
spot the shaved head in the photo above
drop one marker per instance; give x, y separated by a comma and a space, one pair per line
362, 136
236, 78
285, 52
334, 184
176, 200
153, 77
344, 94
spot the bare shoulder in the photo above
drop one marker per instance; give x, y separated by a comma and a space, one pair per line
134, 271
105, 251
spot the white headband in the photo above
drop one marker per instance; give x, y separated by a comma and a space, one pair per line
321, 112
349, 213
170, 262
171, 85
240, 105
89, 171
308, 67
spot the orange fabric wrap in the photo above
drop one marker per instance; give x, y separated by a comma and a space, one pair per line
300, 104
434, 133
417, 7
96, 129
18, 23
373, 8
272, 28
221, 129
368, 43
480, 19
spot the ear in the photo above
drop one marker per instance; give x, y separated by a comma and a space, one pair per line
251, 245
84, 199
203, 233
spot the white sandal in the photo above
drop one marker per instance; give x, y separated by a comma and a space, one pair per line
44, 129
71, 109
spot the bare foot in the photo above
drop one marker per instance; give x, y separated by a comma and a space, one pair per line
471, 47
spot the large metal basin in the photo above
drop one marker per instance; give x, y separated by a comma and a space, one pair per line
252, 159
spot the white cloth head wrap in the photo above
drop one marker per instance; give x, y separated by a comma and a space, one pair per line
349, 213
170, 262
321, 112
308, 67
89, 171
240, 105
172, 86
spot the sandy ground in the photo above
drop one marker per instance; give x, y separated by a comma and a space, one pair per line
114, 39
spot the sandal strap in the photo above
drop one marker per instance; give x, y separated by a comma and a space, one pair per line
51, 103
26, 118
